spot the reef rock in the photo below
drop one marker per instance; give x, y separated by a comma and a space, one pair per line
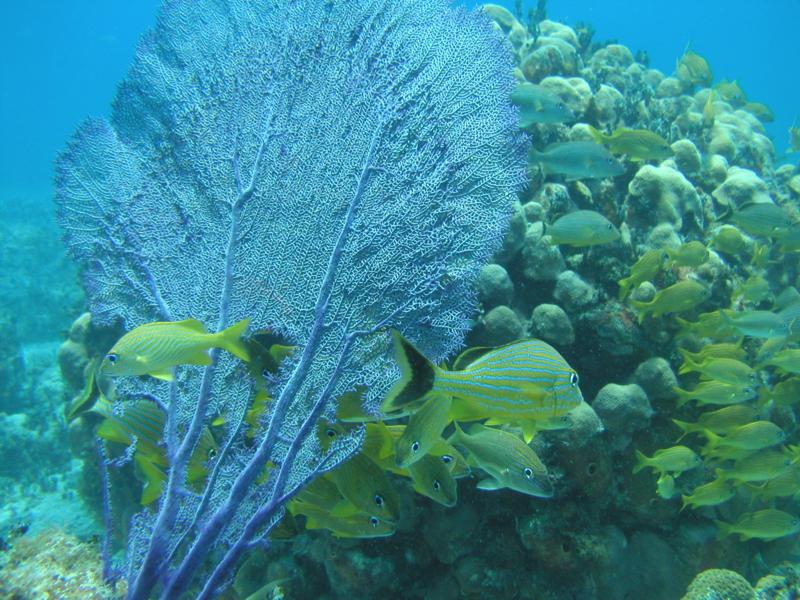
741, 186
494, 286
719, 583
666, 194
550, 323
573, 293
656, 377
623, 408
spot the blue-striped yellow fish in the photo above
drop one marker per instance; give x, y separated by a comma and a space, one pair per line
144, 421
155, 348
524, 381
507, 460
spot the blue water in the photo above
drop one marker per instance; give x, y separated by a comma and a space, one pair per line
62, 60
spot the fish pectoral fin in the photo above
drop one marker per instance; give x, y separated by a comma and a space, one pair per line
163, 375
200, 358
489, 484
528, 430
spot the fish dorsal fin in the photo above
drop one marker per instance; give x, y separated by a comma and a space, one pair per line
468, 356
193, 324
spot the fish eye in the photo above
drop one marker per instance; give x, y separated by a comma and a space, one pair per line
112, 358
609, 226
573, 379
212, 453
528, 472
610, 161
436, 485
374, 521
415, 447
330, 432
379, 500
447, 459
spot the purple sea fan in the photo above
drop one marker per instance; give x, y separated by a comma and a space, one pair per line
324, 168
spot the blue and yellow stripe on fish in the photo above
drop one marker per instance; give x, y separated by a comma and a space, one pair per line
522, 381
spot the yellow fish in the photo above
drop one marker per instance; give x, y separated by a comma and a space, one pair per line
522, 381
755, 289
155, 348
721, 350
367, 487
693, 69
715, 392
729, 239
669, 460
455, 461
432, 478
725, 370
636, 144
644, 269
781, 486
731, 92
794, 138
761, 466
769, 524
690, 254
508, 461
348, 525
787, 360
784, 393
423, 430
753, 436
679, 297
720, 421
708, 109
714, 493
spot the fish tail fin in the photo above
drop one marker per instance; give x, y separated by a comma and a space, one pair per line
684, 502
153, 477
624, 286
689, 364
456, 436
417, 380
597, 136
683, 397
230, 339
687, 428
724, 529
641, 462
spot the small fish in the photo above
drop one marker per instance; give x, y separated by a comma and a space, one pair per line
582, 228
708, 324
715, 393
729, 239
761, 111
719, 350
788, 239
424, 429
762, 219
679, 297
769, 348
367, 487
781, 486
788, 360
509, 462
760, 466
690, 254
355, 525
455, 461
155, 348
644, 269
693, 69
524, 380
755, 289
753, 436
794, 138
636, 144
577, 160
725, 370
768, 524
720, 421
539, 105
731, 92
708, 109
713, 493
432, 478
676, 459
322, 493
144, 421
783, 393
665, 486
762, 324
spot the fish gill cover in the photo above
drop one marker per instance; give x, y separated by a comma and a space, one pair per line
324, 169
